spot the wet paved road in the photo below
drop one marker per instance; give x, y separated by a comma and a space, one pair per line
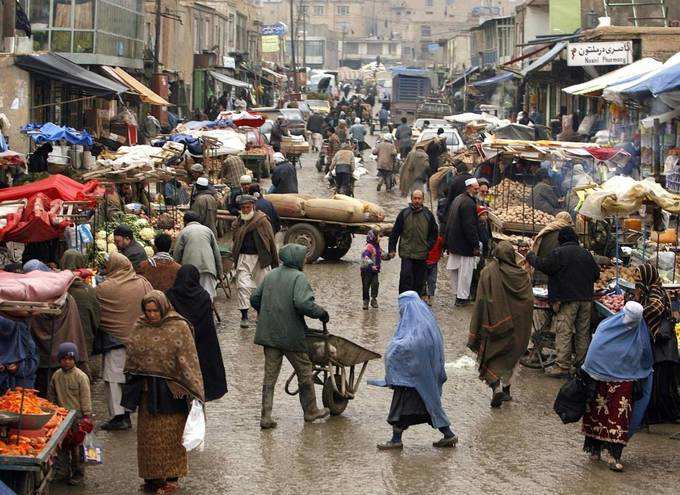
522, 448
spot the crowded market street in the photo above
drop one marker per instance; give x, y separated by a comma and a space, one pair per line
520, 448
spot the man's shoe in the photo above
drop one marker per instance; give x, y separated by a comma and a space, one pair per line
76, 480
557, 372
244, 323
446, 442
365, 305
461, 302
117, 423
497, 399
374, 303
506, 394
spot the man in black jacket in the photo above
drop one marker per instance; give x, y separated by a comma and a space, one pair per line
126, 245
462, 241
265, 206
317, 127
416, 231
457, 186
572, 272
284, 176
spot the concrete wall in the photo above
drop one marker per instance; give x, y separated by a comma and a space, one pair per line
15, 100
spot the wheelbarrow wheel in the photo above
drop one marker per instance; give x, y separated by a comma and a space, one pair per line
335, 403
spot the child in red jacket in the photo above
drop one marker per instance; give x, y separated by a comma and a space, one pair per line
432, 262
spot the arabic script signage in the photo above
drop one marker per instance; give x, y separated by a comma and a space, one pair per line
600, 53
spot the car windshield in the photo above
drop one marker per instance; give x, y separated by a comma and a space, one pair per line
451, 137
420, 123
291, 114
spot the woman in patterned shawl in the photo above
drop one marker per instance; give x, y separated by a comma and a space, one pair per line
664, 406
164, 375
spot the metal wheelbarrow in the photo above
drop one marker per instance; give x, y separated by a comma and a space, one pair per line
334, 361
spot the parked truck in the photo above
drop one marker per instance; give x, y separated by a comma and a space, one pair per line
409, 88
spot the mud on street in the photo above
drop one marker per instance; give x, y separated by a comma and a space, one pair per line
521, 448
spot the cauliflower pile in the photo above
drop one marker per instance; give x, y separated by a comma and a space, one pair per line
142, 230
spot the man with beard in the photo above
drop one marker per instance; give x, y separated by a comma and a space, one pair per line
254, 251
415, 229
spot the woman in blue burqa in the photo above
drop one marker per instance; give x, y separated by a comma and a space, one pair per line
18, 355
620, 361
414, 370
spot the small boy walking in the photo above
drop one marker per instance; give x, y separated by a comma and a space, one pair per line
70, 389
432, 263
371, 260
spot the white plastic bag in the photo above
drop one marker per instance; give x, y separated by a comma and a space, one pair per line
194, 429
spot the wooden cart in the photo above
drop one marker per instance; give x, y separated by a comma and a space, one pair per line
515, 227
27, 475
325, 239
334, 360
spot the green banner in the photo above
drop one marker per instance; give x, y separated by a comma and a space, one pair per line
565, 16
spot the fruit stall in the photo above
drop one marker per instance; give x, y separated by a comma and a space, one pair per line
31, 432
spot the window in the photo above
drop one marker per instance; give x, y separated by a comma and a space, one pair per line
343, 10
343, 27
351, 48
393, 48
61, 15
428, 3
318, 10
425, 30
375, 48
304, 10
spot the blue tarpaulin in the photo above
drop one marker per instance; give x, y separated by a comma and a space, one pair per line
194, 145
506, 76
50, 132
663, 80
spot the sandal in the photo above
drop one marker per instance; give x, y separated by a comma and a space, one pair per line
167, 487
390, 445
615, 465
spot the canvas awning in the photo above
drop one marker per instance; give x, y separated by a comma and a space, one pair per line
58, 68
644, 84
627, 73
467, 73
275, 74
506, 76
144, 93
230, 80
544, 59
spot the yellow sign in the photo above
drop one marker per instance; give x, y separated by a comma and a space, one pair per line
270, 44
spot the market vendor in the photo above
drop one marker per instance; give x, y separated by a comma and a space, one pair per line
543, 194
125, 242
18, 355
232, 170
136, 193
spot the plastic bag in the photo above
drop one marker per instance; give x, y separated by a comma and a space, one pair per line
92, 449
194, 429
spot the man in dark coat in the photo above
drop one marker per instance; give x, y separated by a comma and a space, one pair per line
462, 241
543, 194
457, 186
282, 301
127, 246
415, 229
572, 272
436, 149
284, 176
267, 207
205, 204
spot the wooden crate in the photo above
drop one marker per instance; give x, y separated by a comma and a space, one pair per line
515, 227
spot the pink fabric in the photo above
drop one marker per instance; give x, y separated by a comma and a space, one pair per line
605, 153
35, 286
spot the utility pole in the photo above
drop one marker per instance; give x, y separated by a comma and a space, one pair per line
293, 36
157, 43
303, 9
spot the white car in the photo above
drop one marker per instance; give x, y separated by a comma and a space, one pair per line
419, 126
454, 143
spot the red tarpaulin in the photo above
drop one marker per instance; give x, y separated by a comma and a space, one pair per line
36, 223
55, 187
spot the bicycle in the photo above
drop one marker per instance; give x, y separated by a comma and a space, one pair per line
542, 353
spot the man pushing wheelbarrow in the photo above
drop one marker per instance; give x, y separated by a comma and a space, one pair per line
282, 301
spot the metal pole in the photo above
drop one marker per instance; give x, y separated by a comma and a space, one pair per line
157, 42
303, 8
293, 36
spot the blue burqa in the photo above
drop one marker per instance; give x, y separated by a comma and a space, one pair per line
621, 350
17, 346
415, 356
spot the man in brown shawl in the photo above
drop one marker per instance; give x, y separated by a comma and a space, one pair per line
85, 298
164, 377
254, 251
120, 297
414, 172
546, 241
161, 269
501, 322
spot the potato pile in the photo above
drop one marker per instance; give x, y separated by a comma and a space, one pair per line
510, 193
609, 273
523, 214
614, 302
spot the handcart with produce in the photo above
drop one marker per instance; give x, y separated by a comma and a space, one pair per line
294, 149
31, 432
334, 360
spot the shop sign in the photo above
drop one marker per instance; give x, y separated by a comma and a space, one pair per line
278, 29
270, 44
600, 53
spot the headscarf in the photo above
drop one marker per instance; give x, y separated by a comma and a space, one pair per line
34, 264
72, 260
192, 302
562, 219
415, 356
620, 349
654, 298
120, 296
12, 348
165, 349
373, 239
